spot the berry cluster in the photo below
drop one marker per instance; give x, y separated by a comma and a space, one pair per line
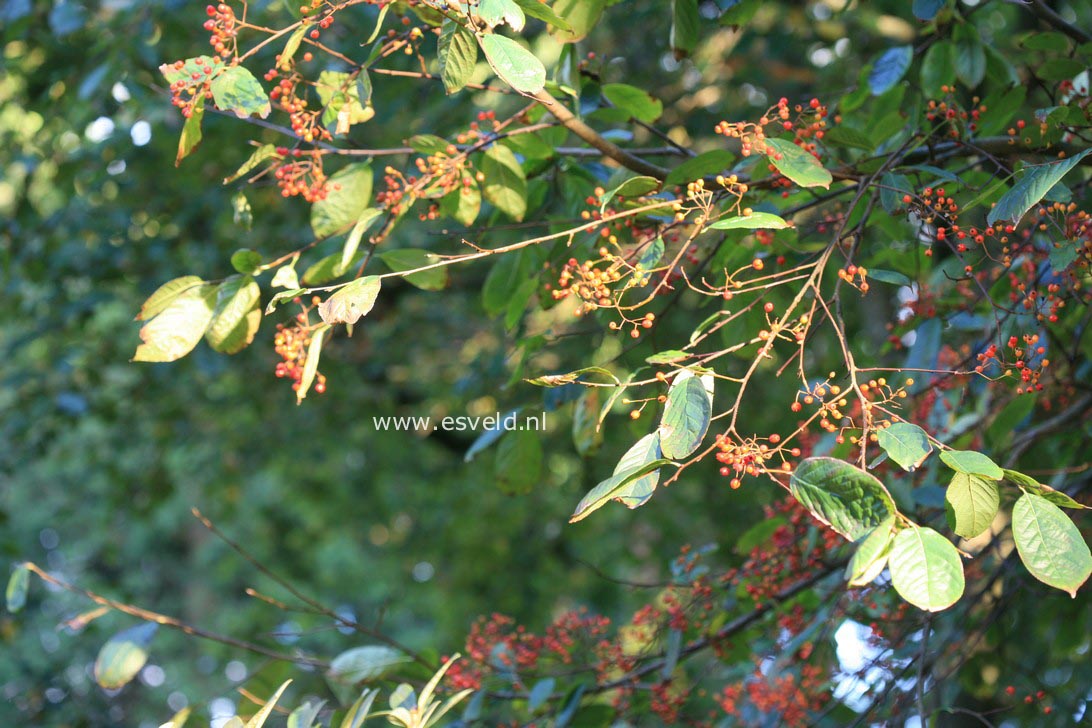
291, 343
302, 175
224, 28
748, 456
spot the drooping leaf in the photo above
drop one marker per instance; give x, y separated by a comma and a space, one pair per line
754, 221
16, 593
191, 131
505, 183
518, 464
889, 69
906, 444
343, 104
362, 664
637, 103
925, 569
971, 463
610, 488
685, 27
175, 330
284, 61
846, 498
352, 301
237, 315
516, 65
458, 53
123, 656
870, 557
310, 364
796, 164
238, 91
587, 437
1049, 544
636, 492
972, 503
686, 416
1036, 181
352, 242
1030, 484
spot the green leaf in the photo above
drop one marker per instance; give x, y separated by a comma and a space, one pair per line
352, 301
540, 693
245, 260
889, 69
796, 164
342, 102
610, 488
970, 56
191, 131
1032, 187
704, 165
685, 27
281, 297
870, 557
972, 504
178, 719
516, 65
847, 136
358, 713
259, 155
637, 103
1005, 423
906, 444
158, 302
889, 276
536, 9
686, 416
652, 255
1030, 484
560, 380
284, 61
938, 67
237, 315
352, 242
262, 715
636, 492
925, 569
16, 593
754, 221
846, 498
123, 656
587, 436
177, 328
505, 183
758, 534
1001, 107
362, 664
970, 462
667, 357
305, 715
1050, 545
310, 364
927, 9
496, 12
632, 187
236, 90
464, 202
518, 464
458, 53
403, 259
349, 193
580, 15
